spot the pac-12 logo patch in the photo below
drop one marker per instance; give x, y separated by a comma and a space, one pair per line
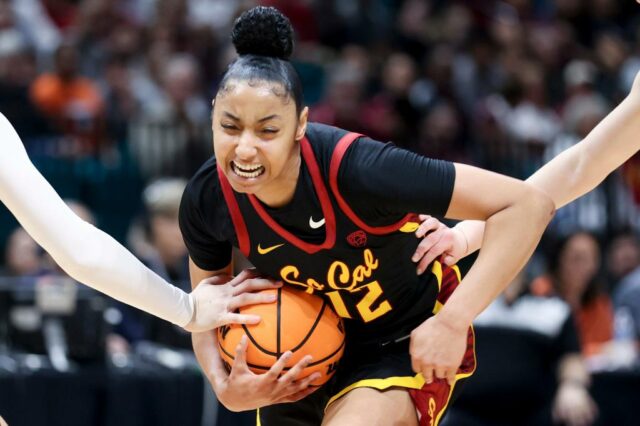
357, 238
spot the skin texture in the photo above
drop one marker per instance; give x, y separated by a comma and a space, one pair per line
254, 125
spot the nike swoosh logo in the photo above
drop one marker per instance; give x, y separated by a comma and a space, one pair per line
315, 225
268, 249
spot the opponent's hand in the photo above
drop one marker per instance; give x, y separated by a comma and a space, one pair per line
437, 240
573, 406
241, 389
217, 298
437, 348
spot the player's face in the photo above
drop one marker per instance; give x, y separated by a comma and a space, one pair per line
256, 133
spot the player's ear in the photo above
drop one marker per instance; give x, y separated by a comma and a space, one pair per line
302, 123
213, 103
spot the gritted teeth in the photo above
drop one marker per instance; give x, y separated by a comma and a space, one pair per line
247, 170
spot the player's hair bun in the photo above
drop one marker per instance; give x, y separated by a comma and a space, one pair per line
263, 31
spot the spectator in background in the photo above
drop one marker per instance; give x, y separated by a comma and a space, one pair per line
23, 256
441, 133
624, 264
533, 373
17, 72
574, 266
156, 240
622, 257
172, 135
72, 102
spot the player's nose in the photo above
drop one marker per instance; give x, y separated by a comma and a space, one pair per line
246, 146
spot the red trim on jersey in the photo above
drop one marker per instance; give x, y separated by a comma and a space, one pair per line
336, 159
325, 202
236, 215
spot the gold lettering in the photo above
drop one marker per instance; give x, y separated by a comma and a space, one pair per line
343, 275
290, 273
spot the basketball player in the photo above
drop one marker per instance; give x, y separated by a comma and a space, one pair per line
571, 174
329, 212
92, 257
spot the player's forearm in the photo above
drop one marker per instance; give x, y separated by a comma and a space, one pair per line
205, 348
507, 244
83, 251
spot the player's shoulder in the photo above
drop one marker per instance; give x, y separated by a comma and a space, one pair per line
203, 192
324, 139
205, 178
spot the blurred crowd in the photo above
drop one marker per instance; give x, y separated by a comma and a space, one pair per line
112, 99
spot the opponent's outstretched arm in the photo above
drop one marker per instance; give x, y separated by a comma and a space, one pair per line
91, 256
571, 174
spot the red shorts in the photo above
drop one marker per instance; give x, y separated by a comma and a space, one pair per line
432, 399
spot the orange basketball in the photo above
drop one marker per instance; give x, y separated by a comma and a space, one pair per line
298, 322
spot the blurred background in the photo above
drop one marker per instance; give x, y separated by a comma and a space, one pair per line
112, 100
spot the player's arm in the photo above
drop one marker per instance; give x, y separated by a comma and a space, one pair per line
575, 171
240, 389
87, 254
437, 346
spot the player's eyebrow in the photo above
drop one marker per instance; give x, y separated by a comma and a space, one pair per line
268, 117
231, 116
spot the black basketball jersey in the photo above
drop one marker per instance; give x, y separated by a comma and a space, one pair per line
366, 272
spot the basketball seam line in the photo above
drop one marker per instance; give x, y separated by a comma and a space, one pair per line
278, 323
313, 327
262, 367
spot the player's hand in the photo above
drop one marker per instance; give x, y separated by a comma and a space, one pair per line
573, 406
437, 240
2, 422
437, 348
217, 298
242, 389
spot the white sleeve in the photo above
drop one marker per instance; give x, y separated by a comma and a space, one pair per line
86, 253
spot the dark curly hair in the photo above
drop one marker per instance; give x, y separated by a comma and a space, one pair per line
263, 38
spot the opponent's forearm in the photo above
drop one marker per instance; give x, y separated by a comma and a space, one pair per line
579, 169
83, 251
507, 245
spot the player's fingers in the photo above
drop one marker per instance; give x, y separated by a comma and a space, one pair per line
255, 284
451, 376
449, 260
427, 225
233, 318
427, 373
291, 375
298, 395
277, 368
244, 275
439, 248
240, 361
246, 299
440, 372
304, 383
426, 260
424, 246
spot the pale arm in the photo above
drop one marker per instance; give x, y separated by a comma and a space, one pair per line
86, 253
579, 169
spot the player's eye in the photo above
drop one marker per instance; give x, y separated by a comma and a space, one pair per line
228, 126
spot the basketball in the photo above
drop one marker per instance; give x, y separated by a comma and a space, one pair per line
298, 322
